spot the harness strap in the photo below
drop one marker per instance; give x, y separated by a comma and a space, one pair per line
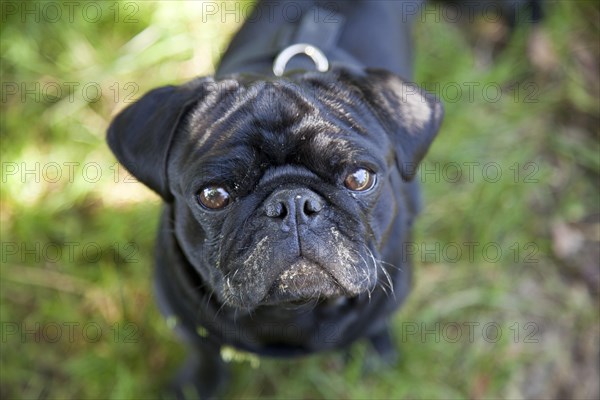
319, 29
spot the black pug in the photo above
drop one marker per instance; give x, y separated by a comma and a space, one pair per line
288, 183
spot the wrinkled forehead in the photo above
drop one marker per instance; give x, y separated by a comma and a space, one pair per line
283, 113
244, 130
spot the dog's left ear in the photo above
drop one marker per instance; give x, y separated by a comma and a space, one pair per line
141, 135
411, 115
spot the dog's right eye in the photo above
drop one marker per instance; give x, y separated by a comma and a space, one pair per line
213, 197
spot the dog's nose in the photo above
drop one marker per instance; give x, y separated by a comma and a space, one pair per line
302, 204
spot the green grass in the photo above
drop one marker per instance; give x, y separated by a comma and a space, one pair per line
77, 313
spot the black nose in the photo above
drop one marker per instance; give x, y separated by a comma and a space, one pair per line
301, 204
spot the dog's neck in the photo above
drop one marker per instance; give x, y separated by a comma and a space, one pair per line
367, 36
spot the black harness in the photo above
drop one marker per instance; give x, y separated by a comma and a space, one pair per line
311, 44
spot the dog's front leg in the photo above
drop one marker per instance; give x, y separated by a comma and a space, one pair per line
202, 376
383, 344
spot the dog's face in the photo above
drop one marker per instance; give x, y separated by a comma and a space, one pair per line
282, 191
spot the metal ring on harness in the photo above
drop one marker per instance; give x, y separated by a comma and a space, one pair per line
289, 52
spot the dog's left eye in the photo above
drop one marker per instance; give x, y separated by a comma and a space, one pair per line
360, 180
213, 197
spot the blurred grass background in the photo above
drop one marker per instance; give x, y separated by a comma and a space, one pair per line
77, 313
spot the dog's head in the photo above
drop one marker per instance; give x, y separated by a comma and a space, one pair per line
283, 190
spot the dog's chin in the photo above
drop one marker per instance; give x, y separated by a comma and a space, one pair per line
307, 304
305, 282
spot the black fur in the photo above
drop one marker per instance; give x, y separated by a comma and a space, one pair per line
328, 269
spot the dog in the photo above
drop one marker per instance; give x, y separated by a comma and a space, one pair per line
288, 184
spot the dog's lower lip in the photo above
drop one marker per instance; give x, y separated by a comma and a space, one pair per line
332, 302
336, 301
321, 287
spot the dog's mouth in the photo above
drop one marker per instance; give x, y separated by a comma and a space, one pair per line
325, 272
305, 283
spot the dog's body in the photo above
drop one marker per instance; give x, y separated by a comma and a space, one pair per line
288, 200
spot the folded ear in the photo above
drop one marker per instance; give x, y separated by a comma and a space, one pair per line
411, 115
140, 136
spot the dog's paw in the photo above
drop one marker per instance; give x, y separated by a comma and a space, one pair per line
384, 348
198, 380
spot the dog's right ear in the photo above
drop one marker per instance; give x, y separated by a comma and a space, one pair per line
140, 136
